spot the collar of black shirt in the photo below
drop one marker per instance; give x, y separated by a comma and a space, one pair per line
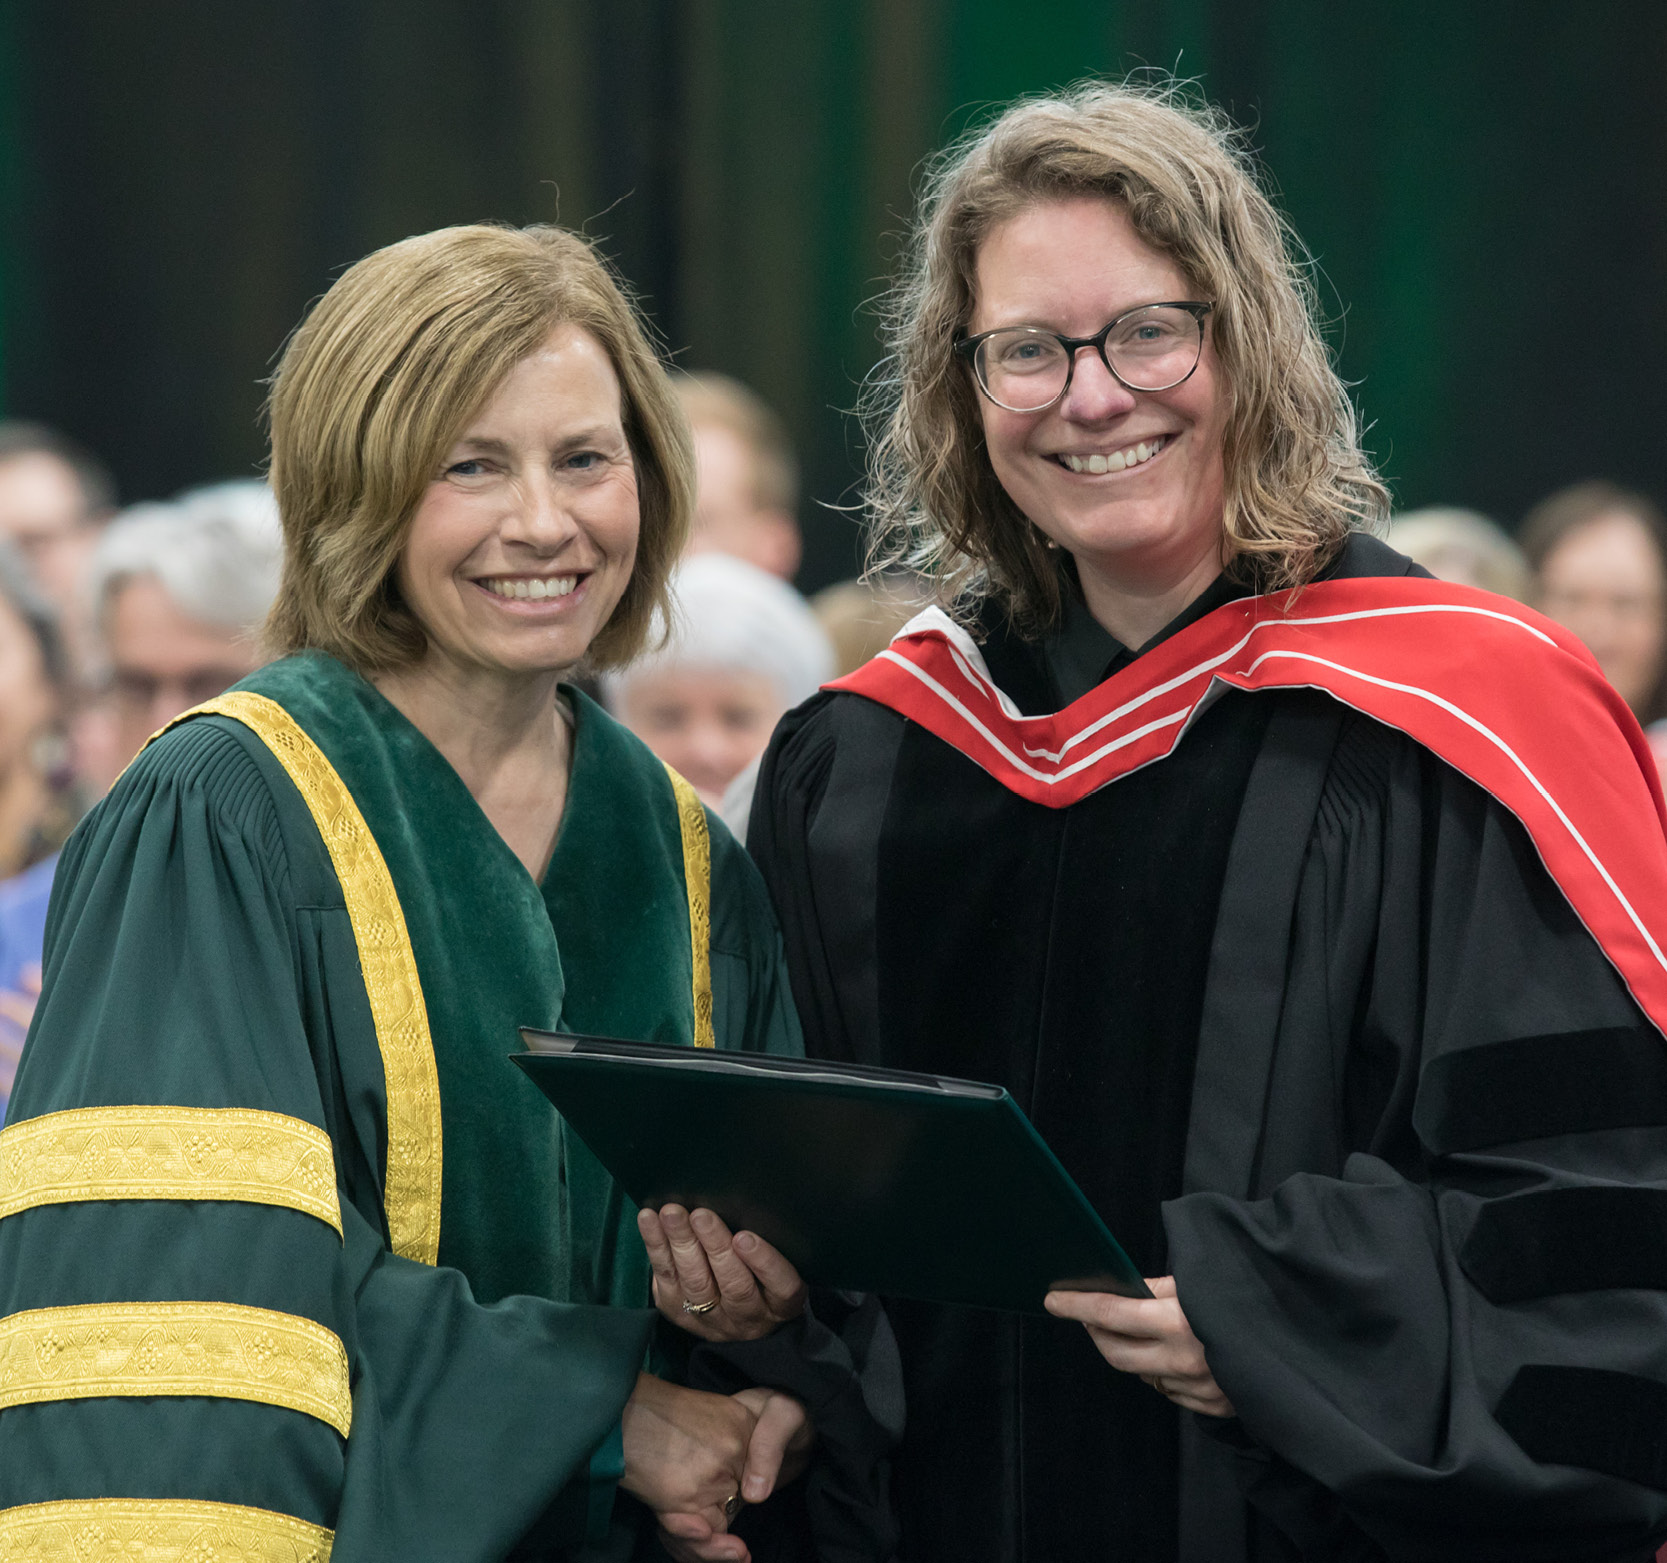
1081, 652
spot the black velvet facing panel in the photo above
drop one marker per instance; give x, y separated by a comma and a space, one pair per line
1604, 1421
1568, 1240
1061, 953
1530, 1087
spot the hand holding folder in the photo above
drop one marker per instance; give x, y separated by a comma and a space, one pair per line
874, 1180
713, 1286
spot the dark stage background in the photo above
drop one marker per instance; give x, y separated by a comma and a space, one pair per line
1484, 185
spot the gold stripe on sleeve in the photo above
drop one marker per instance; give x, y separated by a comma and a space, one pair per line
145, 1530
411, 1185
697, 882
221, 1350
229, 1153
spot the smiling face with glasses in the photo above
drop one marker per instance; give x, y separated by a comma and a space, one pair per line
1103, 405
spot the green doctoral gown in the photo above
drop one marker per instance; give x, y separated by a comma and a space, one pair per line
293, 1261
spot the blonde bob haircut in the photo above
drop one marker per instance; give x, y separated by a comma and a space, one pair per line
382, 376
1296, 479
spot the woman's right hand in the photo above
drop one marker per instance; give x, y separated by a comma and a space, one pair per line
692, 1457
685, 1450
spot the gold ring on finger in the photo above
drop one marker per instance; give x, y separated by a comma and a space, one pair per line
705, 1307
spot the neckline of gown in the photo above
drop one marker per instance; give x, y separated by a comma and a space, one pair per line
385, 714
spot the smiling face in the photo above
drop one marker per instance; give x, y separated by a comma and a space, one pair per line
1129, 482
524, 541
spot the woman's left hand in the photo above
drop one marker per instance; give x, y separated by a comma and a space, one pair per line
1150, 1337
714, 1285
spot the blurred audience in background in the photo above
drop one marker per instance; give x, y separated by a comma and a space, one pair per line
55, 498
744, 648
38, 806
861, 617
1599, 557
746, 506
748, 477
1462, 546
176, 594
179, 590
38, 801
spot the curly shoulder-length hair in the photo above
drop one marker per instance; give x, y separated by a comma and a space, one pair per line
1296, 479
382, 376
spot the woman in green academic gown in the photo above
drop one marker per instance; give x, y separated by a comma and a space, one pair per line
292, 1261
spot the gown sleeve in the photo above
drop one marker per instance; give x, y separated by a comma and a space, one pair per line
1453, 1343
205, 1341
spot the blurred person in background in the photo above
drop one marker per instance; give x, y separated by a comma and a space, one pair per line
179, 590
747, 483
1462, 546
744, 648
1598, 553
861, 616
38, 805
746, 506
55, 497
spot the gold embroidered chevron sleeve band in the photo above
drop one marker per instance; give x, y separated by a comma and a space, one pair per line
116, 1530
222, 1350
697, 883
101, 1153
411, 1187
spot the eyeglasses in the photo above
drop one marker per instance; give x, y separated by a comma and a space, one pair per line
1152, 348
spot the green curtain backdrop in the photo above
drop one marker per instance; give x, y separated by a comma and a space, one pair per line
1481, 184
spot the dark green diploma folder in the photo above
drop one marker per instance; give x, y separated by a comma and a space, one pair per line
870, 1180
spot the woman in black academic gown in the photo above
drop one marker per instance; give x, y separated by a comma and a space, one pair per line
1292, 994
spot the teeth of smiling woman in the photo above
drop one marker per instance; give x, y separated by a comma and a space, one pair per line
1117, 460
534, 590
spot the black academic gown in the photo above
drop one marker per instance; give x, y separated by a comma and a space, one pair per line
1309, 1021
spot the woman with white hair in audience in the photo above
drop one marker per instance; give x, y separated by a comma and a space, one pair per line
744, 648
